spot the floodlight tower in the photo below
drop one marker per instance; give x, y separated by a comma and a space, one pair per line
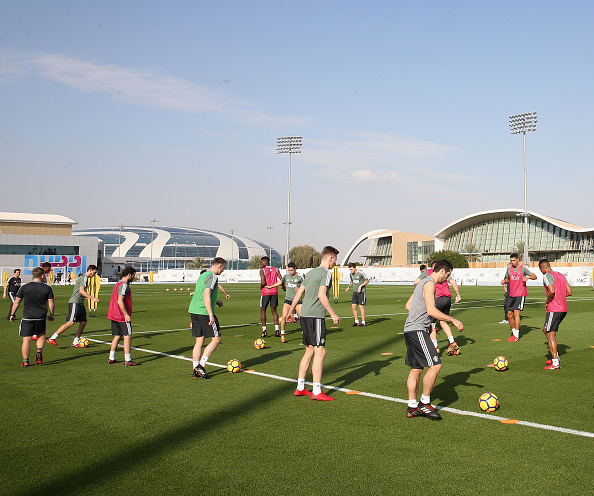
290, 145
522, 123
232, 232
152, 233
270, 245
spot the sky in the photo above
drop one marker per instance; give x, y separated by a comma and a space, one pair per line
123, 112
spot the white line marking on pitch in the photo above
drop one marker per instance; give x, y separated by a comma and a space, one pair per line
376, 396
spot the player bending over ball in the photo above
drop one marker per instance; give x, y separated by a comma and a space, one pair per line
76, 307
557, 289
516, 277
204, 321
37, 298
420, 352
120, 310
358, 281
313, 323
291, 282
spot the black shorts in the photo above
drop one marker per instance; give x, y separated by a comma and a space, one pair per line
121, 328
553, 320
359, 298
515, 303
76, 313
443, 304
314, 331
271, 300
28, 328
201, 327
420, 351
290, 302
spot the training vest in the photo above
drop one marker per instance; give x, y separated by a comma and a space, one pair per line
517, 287
442, 288
559, 302
270, 278
114, 313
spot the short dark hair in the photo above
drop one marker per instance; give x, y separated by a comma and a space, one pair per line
128, 271
292, 264
265, 258
433, 264
514, 255
422, 267
352, 264
218, 261
16, 270
92, 267
37, 272
46, 265
544, 261
443, 264
329, 249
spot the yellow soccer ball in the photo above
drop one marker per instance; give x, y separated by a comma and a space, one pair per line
233, 366
83, 343
259, 343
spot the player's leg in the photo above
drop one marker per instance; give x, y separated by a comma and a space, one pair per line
283, 322
80, 329
263, 305
128, 362
114, 346
355, 316
552, 321
197, 350
412, 385
362, 310
303, 368
62, 328
26, 349
212, 331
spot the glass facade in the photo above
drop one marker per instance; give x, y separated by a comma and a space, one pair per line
417, 252
495, 239
380, 251
38, 250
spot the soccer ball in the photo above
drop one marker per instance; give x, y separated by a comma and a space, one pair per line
488, 402
259, 343
233, 366
83, 343
500, 363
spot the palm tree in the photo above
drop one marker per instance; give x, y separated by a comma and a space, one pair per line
196, 263
472, 253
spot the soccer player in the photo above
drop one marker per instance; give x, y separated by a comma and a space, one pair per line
557, 289
269, 296
420, 352
291, 282
120, 309
37, 298
204, 321
316, 287
76, 307
46, 267
12, 288
516, 276
358, 281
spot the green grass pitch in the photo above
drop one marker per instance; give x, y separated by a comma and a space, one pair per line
78, 426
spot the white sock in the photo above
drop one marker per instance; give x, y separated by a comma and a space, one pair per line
112, 355
195, 363
276, 327
451, 339
75, 341
317, 387
263, 328
54, 336
300, 384
203, 360
516, 332
282, 332
434, 341
412, 403
425, 399
363, 322
555, 362
356, 321
127, 357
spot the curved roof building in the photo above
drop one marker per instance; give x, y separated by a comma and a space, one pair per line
494, 234
173, 247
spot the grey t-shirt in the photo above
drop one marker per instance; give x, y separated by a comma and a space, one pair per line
316, 278
418, 319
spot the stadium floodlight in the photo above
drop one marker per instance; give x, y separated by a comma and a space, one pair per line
290, 145
152, 235
232, 232
120, 241
270, 245
521, 124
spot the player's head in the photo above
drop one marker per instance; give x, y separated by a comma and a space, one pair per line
17, 272
218, 265
443, 269
37, 273
423, 268
433, 264
329, 256
264, 262
353, 267
292, 268
47, 267
129, 273
544, 265
514, 258
91, 270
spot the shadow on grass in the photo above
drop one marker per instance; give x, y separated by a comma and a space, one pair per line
55, 361
266, 357
359, 371
446, 391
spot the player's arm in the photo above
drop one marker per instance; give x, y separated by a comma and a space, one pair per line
294, 303
365, 283
14, 308
528, 275
432, 311
347, 288
208, 305
550, 294
277, 283
456, 289
224, 292
326, 304
409, 302
262, 279
568, 290
5, 288
416, 281
82, 291
51, 307
123, 308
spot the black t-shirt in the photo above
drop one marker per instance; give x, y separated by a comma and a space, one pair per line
35, 295
14, 283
